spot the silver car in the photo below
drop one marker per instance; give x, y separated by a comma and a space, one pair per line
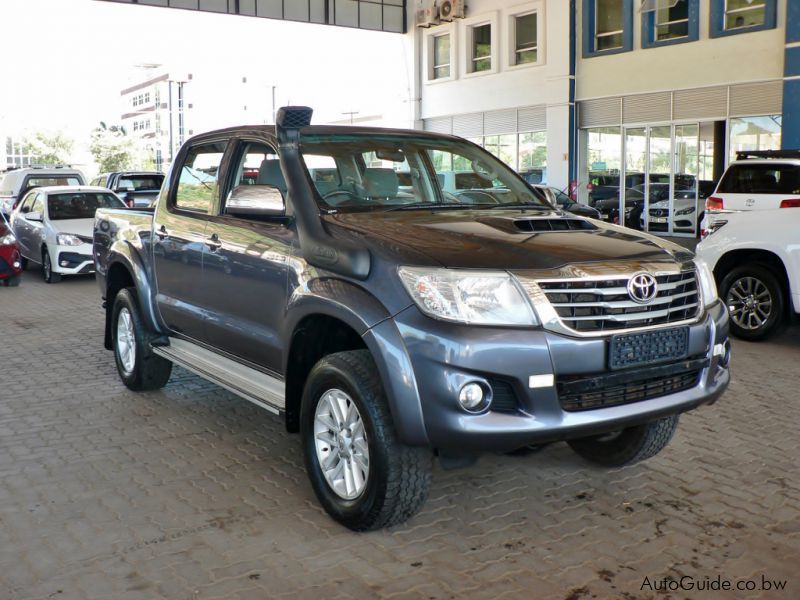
53, 226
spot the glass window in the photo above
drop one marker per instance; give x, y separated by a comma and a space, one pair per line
671, 22
532, 151
81, 205
609, 28
38, 203
481, 48
761, 179
197, 186
744, 13
755, 133
441, 56
604, 160
525, 33
386, 172
503, 147
139, 183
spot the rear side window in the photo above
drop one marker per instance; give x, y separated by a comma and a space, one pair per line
198, 185
140, 183
45, 180
761, 179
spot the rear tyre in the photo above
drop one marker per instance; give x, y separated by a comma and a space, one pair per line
137, 366
47, 268
628, 446
363, 476
12, 281
755, 302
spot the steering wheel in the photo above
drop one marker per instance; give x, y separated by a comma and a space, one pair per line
470, 196
350, 195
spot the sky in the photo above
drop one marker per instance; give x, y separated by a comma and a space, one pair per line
65, 61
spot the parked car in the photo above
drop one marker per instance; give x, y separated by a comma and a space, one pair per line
757, 180
689, 207
564, 202
54, 228
756, 261
135, 188
389, 326
10, 259
18, 182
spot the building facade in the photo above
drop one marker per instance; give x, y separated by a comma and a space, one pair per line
500, 76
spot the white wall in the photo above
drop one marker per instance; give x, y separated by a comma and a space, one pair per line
505, 86
736, 58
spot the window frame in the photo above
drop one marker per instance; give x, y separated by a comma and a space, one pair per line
510, 20
649, 28
428, 52
434, 65
472, 49
222, 172
466, 29
589, 24
718, 13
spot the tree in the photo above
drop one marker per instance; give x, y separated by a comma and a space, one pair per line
49, 149
112, 149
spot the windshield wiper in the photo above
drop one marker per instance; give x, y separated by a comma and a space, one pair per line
524, 206
427, 205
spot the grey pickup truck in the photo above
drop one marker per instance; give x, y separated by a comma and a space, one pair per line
390, 320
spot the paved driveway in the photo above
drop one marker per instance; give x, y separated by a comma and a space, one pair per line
190, 492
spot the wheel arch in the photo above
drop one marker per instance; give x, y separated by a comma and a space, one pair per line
124, 271
743, 256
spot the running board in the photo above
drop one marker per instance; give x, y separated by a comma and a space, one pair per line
259, 388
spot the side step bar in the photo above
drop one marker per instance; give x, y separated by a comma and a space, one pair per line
259, 388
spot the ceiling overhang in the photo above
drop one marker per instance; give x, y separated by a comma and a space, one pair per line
374, 15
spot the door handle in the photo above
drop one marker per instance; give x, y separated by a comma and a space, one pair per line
162, 232
213, 242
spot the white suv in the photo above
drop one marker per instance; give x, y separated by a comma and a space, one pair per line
758, 180
755, 258
18, 182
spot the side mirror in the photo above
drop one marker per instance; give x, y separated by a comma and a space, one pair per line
256, 200
34, 216
550, 196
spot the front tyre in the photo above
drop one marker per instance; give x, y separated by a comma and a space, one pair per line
627, 446
754, 298
137, 366
47, 268
363, 476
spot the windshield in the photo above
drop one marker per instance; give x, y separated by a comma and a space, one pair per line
79, 205
369, 172
140, 183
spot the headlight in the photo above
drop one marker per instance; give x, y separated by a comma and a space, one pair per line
478, 297
7, 239
685, 211
67, 239
707, 284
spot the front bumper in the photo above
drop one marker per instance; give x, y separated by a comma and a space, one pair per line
509, 361
10, 262
72, 260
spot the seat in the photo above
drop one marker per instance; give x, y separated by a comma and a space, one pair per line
269, 173
380, 183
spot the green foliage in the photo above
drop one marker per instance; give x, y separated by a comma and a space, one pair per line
112, 149
49, 149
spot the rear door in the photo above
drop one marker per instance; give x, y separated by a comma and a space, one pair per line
179, 236
22, 228
759, 185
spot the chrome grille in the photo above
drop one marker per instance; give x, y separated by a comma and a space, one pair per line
591, 305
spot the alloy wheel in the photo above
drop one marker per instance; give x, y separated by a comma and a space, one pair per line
126, 340
749, 303
341, 444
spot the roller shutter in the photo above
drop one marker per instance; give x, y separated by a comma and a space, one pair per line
703, 103
599, 112
498, 122
440, 125
647, 108
468, 126
532, 118
764, 98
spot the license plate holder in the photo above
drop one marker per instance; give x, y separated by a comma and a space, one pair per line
648, 348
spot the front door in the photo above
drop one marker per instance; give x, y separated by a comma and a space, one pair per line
179, 238
23, 228
246, 263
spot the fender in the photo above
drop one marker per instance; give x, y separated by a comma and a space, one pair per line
338, 299
123, 253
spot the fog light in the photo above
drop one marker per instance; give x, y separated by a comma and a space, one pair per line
16, 264
471, 397
64, 263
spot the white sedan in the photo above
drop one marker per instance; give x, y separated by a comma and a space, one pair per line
54, 225
755, 257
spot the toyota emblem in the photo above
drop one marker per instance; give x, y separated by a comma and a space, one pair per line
642, 288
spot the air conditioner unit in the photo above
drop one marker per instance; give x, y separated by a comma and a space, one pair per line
427, 13
452, 9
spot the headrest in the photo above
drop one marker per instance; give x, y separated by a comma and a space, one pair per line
269, 173
381, 183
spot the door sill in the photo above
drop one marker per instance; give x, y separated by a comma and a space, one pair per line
255, 386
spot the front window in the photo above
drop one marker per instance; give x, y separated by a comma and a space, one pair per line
441, 56
744, 13
197, 186
525, 33
671, 20
481, 48
362, 173
609, 28
79, 205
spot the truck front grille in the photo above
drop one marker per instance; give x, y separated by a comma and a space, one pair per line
590, 305
581, 392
